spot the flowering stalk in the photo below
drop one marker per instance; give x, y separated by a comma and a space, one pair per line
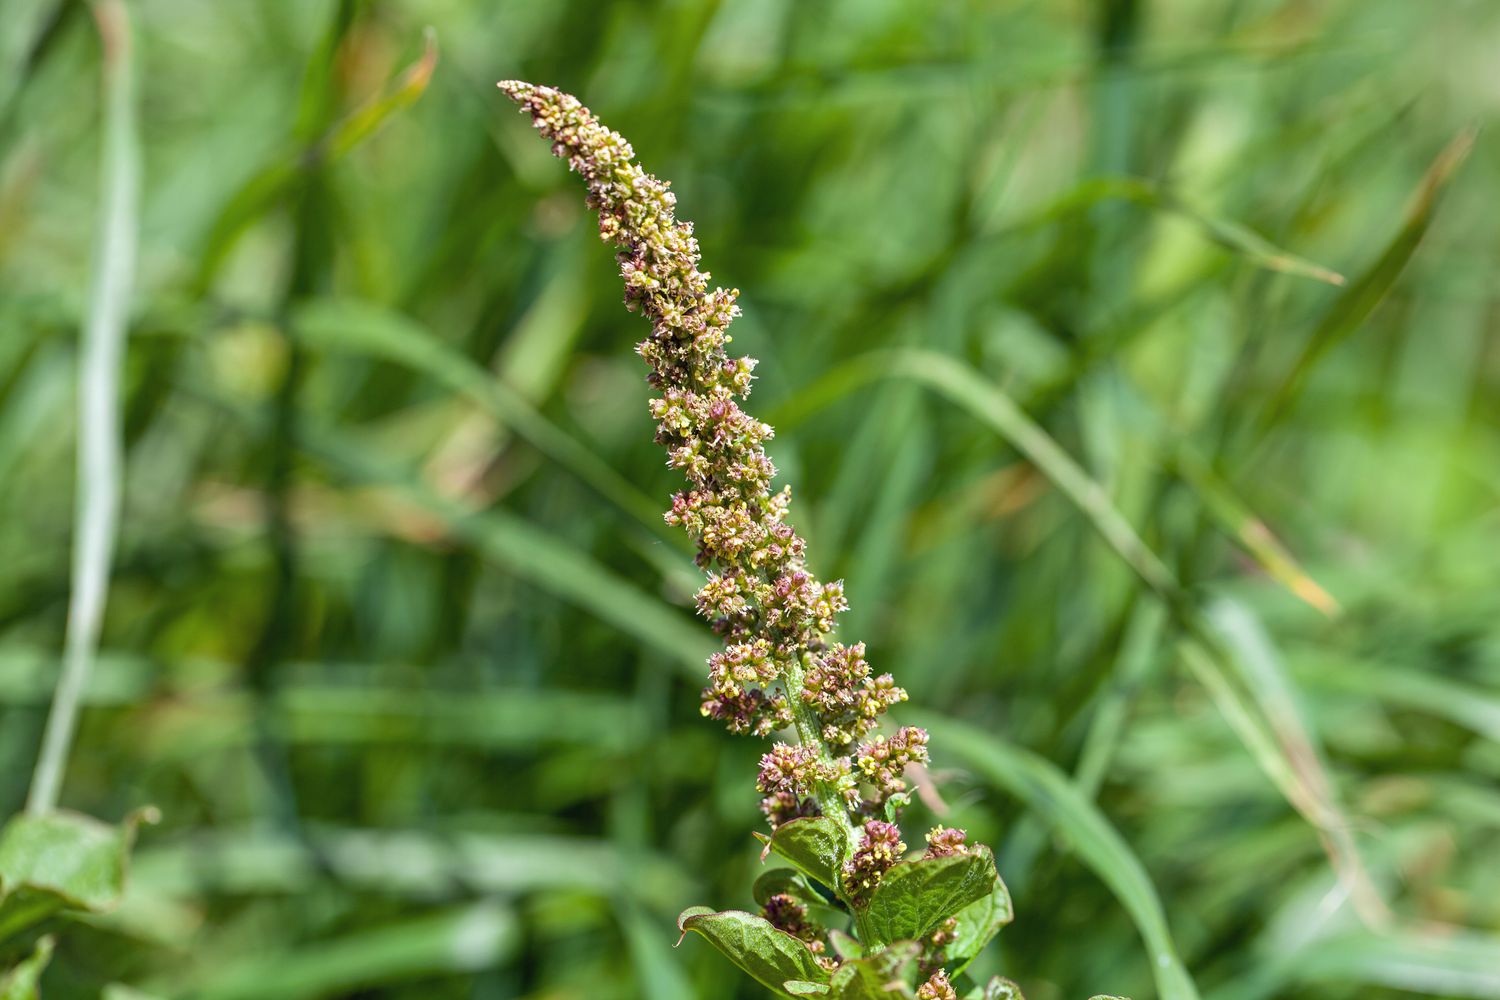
780, 668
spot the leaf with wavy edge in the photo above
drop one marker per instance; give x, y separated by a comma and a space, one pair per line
885, 975
914, 897
977, 923
771, 957
62, 861
816, 845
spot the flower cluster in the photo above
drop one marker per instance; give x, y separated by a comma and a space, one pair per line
935, 948
879, 848
779, 668
786, 914
945, 842
883, 760
848, 700
937, 988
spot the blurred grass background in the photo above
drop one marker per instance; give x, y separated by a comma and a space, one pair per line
399, 646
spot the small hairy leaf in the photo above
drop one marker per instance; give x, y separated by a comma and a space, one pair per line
816, 845
60, 861
885, 975
977, 923
771, 957
21, 982
915, 896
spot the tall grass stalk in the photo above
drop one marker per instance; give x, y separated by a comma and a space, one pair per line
99, 458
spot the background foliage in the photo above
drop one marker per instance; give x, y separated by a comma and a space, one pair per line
398, 645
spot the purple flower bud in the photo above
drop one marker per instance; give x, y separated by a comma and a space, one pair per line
880, 847
783, 807
786, 914
788, 768
945, 842
883, 760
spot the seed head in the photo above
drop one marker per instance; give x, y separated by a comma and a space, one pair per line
775, 616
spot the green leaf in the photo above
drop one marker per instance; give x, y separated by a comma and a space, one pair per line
21, 983
895, 804
802, 988
885, 975
795, 884
915, 896
998, 988
771, 957
816, 845
844, 946
977, 923
785, 880
61, 861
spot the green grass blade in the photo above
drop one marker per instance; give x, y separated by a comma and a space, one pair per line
1231, 235
1141, 644
326, 714
99, 446
1300, 778
1355, 304
1469, 705
991, 405
1266, 678
1455, 964
534, 555
1241, 524
371, 329
405, 863
657, 970
272, 182
561, 569
400, 94
466, 939
525, 549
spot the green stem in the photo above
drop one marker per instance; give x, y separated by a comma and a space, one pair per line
810, 734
